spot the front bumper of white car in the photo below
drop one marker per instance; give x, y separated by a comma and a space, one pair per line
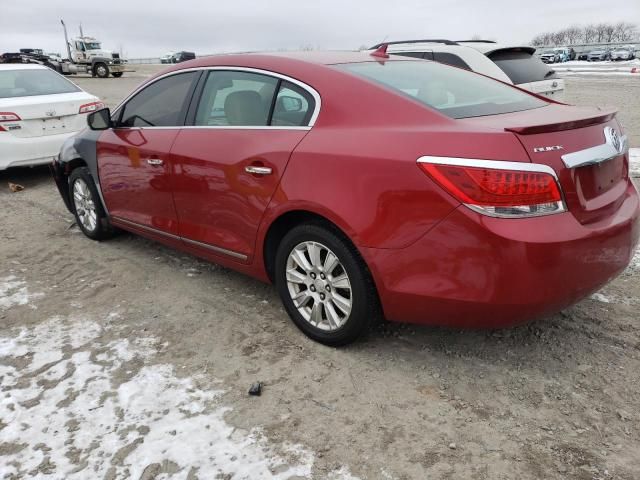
29, 151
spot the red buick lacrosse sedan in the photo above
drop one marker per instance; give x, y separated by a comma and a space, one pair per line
364, 186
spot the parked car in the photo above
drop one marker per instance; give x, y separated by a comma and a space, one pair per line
509, 64
364, 184
39, 110
599, 55
182, 57
583, 55
564, 54
550, 56
622, 54
167, 57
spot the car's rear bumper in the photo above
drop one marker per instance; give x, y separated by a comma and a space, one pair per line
18, 152
477, 271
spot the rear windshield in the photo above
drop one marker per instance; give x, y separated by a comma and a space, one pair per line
522, 67
452, 91
27, 83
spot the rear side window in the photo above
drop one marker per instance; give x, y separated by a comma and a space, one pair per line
452, 91
294, 106
161, 104
409, 54
450, 59
233, 98
29, 83
522, 67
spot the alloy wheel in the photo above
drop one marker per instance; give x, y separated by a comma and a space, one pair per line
319, 285
84, 205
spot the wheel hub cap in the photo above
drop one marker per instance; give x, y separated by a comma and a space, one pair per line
319, 286
84, 205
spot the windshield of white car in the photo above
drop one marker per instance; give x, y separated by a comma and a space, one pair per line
452, 91
28, 83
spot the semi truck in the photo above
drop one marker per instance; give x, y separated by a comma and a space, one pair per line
87, 56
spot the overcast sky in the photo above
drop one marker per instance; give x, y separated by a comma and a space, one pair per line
146, 28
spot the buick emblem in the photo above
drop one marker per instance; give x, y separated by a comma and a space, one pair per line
50, 113
613, 139
554, 84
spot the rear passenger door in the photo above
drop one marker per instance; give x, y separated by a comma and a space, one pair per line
242, 127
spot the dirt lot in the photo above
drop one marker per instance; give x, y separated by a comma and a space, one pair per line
125, 359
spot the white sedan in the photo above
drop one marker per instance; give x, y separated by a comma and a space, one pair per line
39, 110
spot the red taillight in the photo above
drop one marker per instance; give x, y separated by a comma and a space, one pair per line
91, 107
9, 117
506, 189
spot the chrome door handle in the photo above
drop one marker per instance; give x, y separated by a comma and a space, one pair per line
258, 170
155, 162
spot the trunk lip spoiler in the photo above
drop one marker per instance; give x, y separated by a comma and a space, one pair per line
564, 125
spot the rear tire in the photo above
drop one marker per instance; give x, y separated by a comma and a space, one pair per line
87, 206
336, 301
101, 70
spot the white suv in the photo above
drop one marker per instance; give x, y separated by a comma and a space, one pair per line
515, 65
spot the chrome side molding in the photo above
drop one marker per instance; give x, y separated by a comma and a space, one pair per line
614, 146
213, 248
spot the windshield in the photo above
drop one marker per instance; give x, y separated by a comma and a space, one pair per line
92, 45
548, 52
452, 91
522, 67
27, 83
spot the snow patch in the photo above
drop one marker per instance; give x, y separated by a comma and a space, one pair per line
77, 406
600, 298
15, 292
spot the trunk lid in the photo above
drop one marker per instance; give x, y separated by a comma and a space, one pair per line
43, 115
594, 174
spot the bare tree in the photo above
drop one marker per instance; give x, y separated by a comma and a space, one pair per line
573, 34
538, 40
609, 32
623, 31
601, 32
589, 33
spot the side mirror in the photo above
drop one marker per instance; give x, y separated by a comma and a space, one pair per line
99, 120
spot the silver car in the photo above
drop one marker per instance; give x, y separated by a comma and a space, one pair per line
622, 54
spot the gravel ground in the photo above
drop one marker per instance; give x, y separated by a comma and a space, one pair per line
127, 359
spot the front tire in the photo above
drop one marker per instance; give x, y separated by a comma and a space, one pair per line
101, 70
117, 74
325, 285
87, 207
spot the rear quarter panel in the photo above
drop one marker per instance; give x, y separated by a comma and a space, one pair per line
368, 183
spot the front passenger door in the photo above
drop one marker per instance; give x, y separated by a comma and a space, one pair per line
134, 159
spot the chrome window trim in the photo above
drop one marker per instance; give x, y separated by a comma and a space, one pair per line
495, 164
598, 154
312, 91
208, 246
500, 165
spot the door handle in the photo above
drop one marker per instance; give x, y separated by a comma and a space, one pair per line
254, 169
155, 162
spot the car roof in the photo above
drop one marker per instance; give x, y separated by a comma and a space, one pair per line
328, 57
22, 66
